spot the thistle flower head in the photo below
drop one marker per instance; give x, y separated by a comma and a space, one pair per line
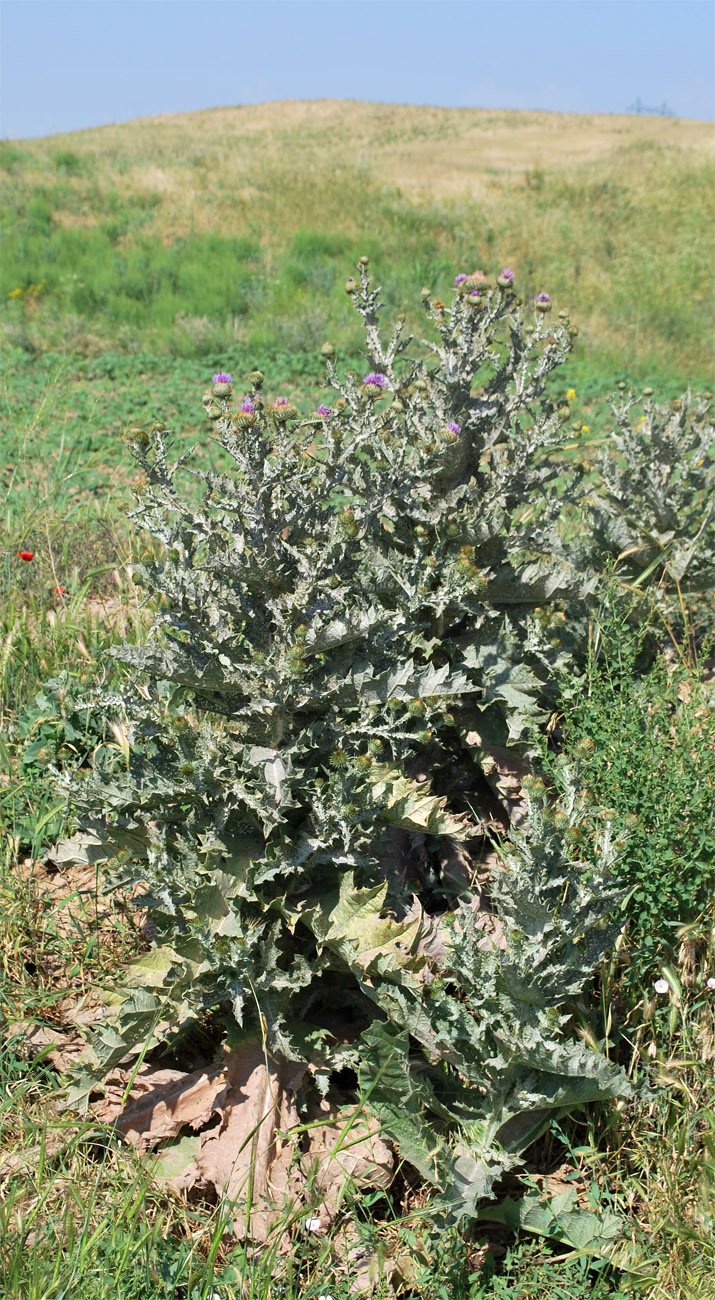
459, 279
507, 275
376, 379
325, 411
222, 378
248, 406
454, 427
281, 401
542, 297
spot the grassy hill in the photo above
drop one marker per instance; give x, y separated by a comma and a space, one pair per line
230, 231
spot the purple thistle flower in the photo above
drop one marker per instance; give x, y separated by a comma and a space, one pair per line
454, 427
325, 411
474, 293
282, 401
459, 279
542, 297
222, 378
375, 378
247, 405
506, 274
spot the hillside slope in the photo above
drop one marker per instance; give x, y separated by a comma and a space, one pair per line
235, 226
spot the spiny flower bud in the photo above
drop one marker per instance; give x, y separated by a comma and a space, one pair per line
256, 378
327, 350
543, 302
348, 522
283, 410
245, 420
416, 709
505, 279
139, 437
212, 406
363, 261
222, 387
350, 285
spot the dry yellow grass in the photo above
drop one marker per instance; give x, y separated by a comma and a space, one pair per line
429, 152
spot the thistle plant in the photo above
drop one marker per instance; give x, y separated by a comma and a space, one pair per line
653, 507
354, 633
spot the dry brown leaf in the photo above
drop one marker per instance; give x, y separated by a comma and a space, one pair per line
161, 1102
505, 771
252, 1156
247, 1157
65, 1048
344, 1151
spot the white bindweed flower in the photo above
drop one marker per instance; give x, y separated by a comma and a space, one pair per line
711, 983
661, 986
325, 1297
312, 1225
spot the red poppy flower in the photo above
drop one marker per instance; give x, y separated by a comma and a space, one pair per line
26, 555
60, 591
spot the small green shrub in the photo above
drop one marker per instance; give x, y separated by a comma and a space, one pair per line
644, 732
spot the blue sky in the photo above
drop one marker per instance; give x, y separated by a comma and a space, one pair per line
69, 64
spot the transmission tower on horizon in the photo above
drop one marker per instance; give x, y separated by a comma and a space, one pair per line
639, 107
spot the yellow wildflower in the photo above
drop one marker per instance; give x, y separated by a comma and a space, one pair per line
585, 428
570, 394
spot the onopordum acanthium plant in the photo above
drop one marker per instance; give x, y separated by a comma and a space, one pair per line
652, 508
354, 635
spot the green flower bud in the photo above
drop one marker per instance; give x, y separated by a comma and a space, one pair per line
222, 390
256, 378
647, 392
350, 285
212, 407
327, 351
416, 709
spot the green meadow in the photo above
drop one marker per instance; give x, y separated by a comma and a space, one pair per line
138, 259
